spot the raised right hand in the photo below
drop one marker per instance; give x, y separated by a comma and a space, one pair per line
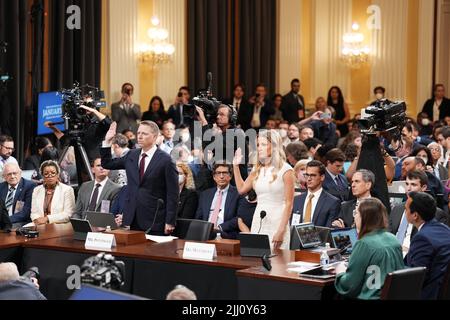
237, 160
111, 132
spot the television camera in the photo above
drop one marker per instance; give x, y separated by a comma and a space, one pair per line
384, 116
103, 271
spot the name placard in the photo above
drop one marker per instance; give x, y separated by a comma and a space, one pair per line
100, 240
199, 251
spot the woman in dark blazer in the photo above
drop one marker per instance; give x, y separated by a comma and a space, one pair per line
156, 112
188, 201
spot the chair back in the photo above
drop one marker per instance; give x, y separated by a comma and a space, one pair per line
404, 284
194, 230
444, 293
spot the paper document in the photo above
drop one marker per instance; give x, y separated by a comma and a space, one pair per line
160, 239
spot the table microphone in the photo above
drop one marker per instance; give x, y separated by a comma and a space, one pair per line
159, 204
262, 215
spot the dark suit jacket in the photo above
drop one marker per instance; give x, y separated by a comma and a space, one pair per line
24, 193
187, 204
331, 187
346, 213
229, 226
326, 211
246, 211
444, 109
5, 222
266, 112
118, 206
430, 248
160, 182
290, 107
33, 162
109, 192
126, 119
243, 119
325, 133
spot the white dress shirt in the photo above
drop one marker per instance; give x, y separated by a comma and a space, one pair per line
100, 189
436, 106
221, 217
313, 202
167, 146
150, 153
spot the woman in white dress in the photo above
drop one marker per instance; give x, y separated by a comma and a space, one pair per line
273, 181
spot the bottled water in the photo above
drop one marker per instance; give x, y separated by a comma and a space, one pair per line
324, 258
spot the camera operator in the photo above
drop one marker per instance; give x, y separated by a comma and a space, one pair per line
94, 132
225, 126
14, 287
126, 113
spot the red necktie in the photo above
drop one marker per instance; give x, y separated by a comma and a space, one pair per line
142, 166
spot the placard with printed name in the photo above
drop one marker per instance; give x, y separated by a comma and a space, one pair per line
199, 251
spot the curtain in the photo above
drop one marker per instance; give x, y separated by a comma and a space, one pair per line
233, 39
73, 55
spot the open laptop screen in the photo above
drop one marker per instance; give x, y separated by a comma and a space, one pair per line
343, 238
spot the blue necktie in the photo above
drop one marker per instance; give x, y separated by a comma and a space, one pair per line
339, 182
401, 232
9, 199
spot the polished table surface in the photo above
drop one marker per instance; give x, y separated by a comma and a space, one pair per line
58, 237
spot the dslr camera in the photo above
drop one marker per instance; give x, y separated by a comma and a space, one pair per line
103, 271
384, 116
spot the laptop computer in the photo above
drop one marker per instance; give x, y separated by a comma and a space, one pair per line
89, 292
344, 239
101, 220
80, 228
308, 236
397, 187
254, 245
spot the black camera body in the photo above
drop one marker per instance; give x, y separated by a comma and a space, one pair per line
206, 102
103, 271
74, 115
385, 116
30, 233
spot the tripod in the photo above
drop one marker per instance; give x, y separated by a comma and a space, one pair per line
81, 158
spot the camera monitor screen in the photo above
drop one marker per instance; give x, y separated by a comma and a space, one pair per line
343, 238
49, 109
309, 235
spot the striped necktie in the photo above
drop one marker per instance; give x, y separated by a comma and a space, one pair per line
10, 198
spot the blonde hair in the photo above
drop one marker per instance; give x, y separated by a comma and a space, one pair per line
190, 184
301, 164
278, 156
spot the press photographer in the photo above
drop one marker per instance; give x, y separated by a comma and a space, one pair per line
84, 124
218, 122
16, 287
103, 271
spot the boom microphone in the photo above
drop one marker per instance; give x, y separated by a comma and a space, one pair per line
262, 216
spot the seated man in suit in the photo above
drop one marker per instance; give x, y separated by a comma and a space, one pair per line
335, 182
430, 247
362, 182
92, 194
219, 205
416, 163
5, 223
316, 205
16, 193
416, 181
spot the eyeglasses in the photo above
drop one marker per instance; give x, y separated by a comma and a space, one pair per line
312, 176
50, 174
221, 173
11, 174
8, 148
435, 149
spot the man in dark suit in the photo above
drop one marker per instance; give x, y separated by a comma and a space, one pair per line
430, 247
176, 110
316, 205
242, 106
93, 194
5, 222
362, 182
438, 107
219, 205
325, 129
152, 182
335, 182
16, 194
125, 112
416, 181
293, 106
260, 109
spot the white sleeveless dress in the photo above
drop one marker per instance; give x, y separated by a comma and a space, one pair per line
271, 199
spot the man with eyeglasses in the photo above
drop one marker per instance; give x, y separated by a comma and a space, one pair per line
316, 205
16, 193
6, 151
219, 205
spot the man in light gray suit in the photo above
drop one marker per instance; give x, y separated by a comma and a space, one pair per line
126, 113
92, 194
